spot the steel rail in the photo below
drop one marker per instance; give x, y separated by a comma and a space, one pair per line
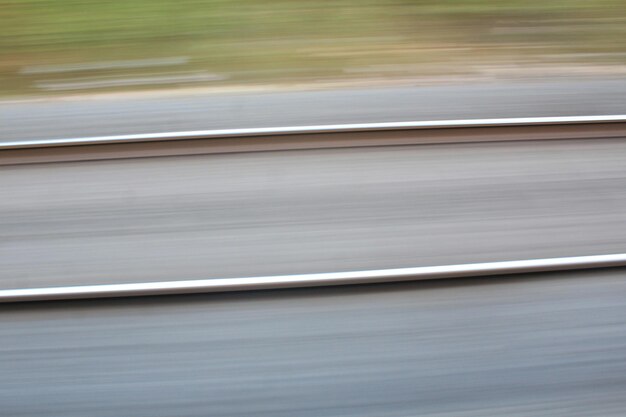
312, 280
310, 137
316, 129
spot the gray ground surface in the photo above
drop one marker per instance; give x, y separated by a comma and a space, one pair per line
552, 345
289, 212
123, 115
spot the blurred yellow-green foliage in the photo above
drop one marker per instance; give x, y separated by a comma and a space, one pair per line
274, 41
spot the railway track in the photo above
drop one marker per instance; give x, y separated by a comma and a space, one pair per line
301, 138
502, 344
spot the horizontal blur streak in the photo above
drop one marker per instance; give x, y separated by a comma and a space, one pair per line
546, 346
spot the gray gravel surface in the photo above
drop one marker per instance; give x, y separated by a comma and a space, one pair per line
80, 117
270, 213
547, 345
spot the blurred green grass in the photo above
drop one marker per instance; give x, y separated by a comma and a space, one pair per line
283, 41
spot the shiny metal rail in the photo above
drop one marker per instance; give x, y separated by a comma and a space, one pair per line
311, 137
312, 280
341, 128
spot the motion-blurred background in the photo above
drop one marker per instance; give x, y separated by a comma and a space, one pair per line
545, 345
84, 45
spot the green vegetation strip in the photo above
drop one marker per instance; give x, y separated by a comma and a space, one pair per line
282, 41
